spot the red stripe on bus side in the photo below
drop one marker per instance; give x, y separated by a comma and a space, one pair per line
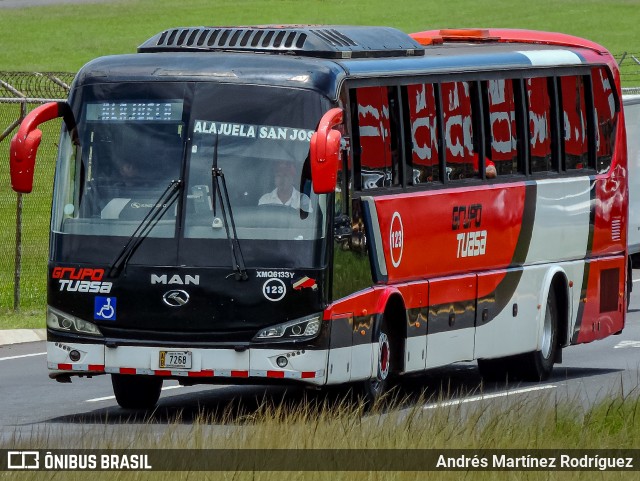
205, 373
276, 374
239, 373
65, 367
96, 367
162, 373
308, 375
128, 370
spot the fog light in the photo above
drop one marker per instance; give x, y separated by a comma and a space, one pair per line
282, 361
74, 356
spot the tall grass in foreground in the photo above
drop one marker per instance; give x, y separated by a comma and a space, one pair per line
531, 423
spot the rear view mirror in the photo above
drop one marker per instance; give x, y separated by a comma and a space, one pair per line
325, 152
24, 145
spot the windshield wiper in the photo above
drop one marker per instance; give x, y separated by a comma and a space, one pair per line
167, 198
220, 186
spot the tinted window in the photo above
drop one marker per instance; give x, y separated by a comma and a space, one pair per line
375, 137
461, 156
502, 131
423, 122
574, 122
606, 117
539, 106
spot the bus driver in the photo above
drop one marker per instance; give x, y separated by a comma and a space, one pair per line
285, 193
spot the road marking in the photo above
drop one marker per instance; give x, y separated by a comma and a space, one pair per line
624, 344
109, 398
23, 355
457, 402
636, 280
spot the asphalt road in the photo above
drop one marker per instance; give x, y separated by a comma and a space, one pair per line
30, 401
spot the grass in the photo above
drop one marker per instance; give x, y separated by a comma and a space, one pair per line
64, 37
337, 423
22, 319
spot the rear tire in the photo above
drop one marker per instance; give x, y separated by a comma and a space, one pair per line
136, 392
537, 365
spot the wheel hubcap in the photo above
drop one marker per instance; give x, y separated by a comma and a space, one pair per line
383, 357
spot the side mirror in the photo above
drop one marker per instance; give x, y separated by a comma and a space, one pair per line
325, 152
24, 145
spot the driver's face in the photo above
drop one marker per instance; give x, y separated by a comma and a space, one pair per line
284, 175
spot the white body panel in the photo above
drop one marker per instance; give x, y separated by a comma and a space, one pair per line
447, 347
415, 354
632, 123
561, 226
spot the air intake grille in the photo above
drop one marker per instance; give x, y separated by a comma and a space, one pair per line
231, 38
317, 41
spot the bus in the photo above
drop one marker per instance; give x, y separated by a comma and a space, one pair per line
312, 205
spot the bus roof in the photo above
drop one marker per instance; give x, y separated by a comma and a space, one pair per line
504, 35
472, 57
321, 57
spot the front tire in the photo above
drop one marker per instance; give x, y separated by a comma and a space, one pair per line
136, 392
374, 388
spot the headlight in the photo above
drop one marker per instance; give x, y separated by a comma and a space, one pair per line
306, 327
60, 321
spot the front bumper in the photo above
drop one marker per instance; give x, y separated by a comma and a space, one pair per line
208, 364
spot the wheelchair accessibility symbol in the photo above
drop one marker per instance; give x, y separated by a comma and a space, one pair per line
105, 308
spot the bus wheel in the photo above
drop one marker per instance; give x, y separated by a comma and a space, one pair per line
374, 388
136, 392
537, 365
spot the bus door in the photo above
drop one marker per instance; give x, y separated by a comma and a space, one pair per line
451, 320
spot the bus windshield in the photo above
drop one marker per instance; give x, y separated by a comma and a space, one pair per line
130, 149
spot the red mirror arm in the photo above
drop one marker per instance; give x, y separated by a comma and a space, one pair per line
24, 145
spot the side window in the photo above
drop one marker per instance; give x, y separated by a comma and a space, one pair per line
502, 131
606, 117
423, 124
461, 157
576, 145
539, 105
378, 137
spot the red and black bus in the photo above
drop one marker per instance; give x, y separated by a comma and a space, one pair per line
313, 204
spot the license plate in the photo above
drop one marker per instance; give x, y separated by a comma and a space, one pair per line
175, 359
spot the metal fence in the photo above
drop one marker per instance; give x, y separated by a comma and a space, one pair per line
629, 64
24, 220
